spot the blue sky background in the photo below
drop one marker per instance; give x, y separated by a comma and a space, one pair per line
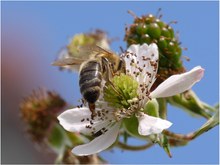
41, 29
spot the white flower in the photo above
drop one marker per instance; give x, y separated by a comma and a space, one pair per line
142, 64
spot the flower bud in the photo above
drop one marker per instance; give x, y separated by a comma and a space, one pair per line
39, 111
97, 37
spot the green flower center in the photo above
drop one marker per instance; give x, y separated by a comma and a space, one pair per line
121, 91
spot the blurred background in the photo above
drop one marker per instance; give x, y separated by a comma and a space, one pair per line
33, 33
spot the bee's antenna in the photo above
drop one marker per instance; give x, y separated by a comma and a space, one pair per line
122, 50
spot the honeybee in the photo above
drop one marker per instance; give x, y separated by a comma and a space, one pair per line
96, 64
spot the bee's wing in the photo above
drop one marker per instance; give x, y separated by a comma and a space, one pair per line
85, 53
68, 61
94, 49
99, 49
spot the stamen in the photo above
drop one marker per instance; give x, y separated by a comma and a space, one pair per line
97, 134
88, 126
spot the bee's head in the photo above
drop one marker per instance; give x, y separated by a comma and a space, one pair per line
119, 66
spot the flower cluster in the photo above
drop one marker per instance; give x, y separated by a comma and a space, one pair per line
151, 29
141, 66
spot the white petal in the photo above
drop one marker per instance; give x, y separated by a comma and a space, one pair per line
178, 83
153, 54
78, 120
142, 64
134, 48
144, 57
100, 143
151, 125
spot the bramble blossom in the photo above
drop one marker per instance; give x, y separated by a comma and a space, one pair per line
142, 64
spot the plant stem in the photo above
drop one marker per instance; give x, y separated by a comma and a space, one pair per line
187, 137
211, 123
162, 108
133, 148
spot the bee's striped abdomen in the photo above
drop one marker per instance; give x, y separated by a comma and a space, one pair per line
90, 81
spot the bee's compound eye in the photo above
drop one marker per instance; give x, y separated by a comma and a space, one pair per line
112, 65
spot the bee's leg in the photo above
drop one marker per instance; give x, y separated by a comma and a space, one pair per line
83, 101
92, 109
109, 73
121, 68
107, 69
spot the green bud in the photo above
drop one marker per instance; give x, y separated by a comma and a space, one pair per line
149, 18
160, 23
154, 30
165, 32
141, 29
177, 55
171, 31
162, 43
171, 48
145, 38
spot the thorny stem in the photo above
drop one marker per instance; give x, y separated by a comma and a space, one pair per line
133, 148
187, 137
211, 123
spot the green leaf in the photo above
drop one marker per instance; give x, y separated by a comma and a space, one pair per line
165, 144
